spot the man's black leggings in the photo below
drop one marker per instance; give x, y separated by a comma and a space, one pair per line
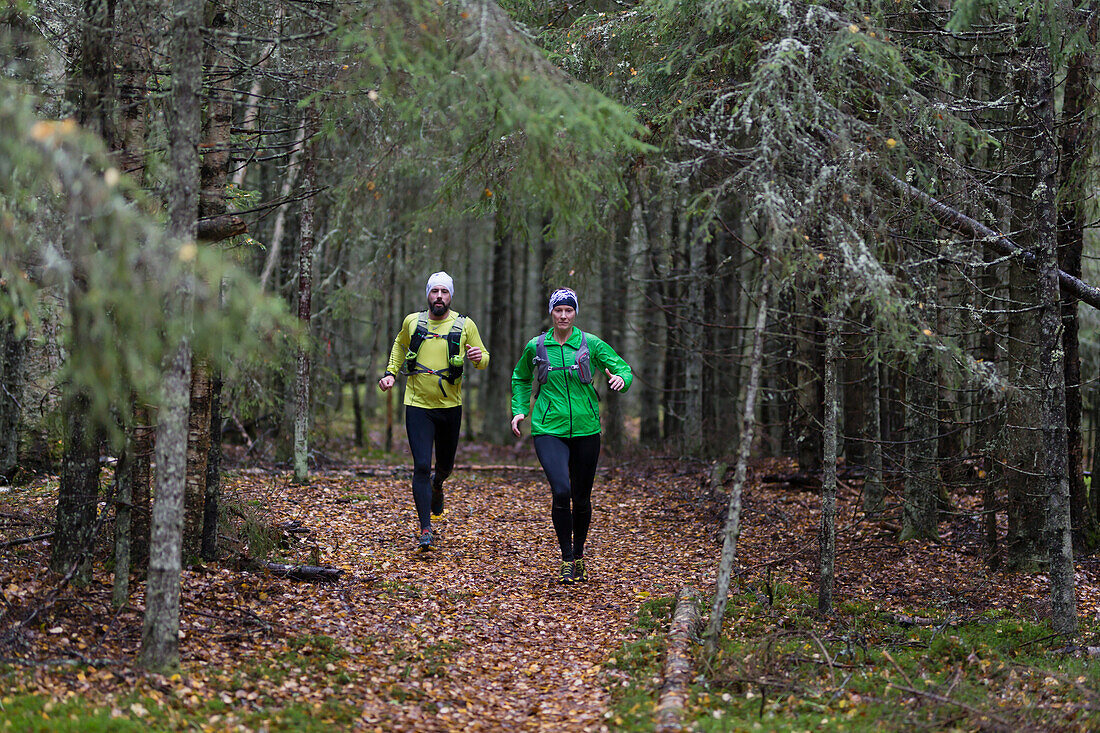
425, 427
570, 465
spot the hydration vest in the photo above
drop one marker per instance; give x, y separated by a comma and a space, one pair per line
582, 364
453, 371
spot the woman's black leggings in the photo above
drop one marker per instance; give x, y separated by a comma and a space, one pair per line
425, 427
570, 465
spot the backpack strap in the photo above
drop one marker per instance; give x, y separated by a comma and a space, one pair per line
582, 363
452, 372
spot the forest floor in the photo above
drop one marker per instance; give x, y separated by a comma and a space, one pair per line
476, 634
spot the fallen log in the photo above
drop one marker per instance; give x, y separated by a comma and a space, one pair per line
677, 671
309, 573
26, 540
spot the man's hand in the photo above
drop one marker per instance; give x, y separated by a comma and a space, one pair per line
386, 382
473, 353
614, 381
515, 424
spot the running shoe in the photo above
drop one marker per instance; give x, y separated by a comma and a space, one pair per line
580, 572
438, 517
565, 575
425, 540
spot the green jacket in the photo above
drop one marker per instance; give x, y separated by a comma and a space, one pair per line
564, 407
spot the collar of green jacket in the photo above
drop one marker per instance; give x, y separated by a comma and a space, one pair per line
574, 339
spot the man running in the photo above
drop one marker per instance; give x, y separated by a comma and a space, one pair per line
430, 349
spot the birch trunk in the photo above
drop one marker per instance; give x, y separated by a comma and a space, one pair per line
305, 301
732, 530
160, 630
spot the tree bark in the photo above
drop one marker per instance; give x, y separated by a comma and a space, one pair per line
198, 449
501, 315
305, 310
874, 488
1077, 132
1051, 367
123, 524
732, 529
160, 630
12, 351
212, 499
827, 532
921, 509
78, 494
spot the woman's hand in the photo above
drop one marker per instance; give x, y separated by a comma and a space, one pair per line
515, 424
614, 381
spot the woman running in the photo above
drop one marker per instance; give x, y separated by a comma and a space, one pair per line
566, 422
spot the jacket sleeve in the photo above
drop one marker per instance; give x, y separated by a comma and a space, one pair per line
606, 358
471, 337
521, 381
400, 346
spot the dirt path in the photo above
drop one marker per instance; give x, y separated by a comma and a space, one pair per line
476, 635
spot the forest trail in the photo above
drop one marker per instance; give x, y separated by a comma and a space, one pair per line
477, 634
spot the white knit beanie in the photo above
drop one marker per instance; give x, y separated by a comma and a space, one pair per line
440, 279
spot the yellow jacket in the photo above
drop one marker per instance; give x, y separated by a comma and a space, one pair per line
428, 390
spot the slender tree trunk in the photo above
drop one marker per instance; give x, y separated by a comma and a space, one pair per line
732, 529
123, 524
78, 494
874, 488
614, 314
692, 330
921, 509
289, 176
827, 531
160, 631
809, 393
1052, 369
212, 498
141, 480
1078, 131
648, 365
198, 450
305, 314
12, 350
501, 313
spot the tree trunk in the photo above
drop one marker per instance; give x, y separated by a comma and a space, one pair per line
160, 630
920, 512
501, 313
141, 479
12, 350
1078, 130
198, 449
213, 474
695, 245
648, 363
78, 494
1051, 367
732, 529
1025, 500
123, 536
614, 316
808, 389
827, 532
305, 313
874, 489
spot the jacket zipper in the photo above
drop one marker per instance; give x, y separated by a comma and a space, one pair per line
568, 395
